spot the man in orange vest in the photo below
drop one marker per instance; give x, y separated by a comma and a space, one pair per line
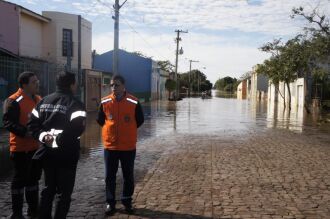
17, 109
120, 114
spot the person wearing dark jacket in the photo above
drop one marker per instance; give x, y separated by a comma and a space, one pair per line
57, 122
119, 114
17, 109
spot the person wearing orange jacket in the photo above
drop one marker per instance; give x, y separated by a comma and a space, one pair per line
119, 114
17, 109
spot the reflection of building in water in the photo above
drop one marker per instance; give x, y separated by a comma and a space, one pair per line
280, 117
92, 135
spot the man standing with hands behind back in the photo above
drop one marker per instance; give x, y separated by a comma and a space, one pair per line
120, 114
57, 122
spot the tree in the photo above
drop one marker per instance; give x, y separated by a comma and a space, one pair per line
245, 76
170, 85
141, 54
196, 78
314, 18
288, 61
317, 36
166, 66
301, 56
227, 84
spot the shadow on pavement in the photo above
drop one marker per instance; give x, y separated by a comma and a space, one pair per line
147, 213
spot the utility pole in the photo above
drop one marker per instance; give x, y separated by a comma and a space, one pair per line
178, 39
116, 7
189, 90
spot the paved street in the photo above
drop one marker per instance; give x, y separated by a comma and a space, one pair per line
268, 174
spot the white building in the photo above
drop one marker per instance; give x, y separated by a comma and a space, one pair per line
280, 94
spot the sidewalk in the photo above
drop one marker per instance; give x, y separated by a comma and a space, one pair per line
268, 175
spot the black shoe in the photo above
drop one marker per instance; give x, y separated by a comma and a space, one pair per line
110, 210
129, 209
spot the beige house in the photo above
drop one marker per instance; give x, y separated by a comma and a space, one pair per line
68, 33
45, 37
31, 38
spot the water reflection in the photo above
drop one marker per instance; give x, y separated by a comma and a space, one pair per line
200, 116
297, 119
207, 116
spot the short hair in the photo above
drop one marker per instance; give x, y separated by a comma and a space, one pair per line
65, 79
24, 78
118, 78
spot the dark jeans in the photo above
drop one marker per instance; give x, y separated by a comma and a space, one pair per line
59, 181
111, 159
27, 173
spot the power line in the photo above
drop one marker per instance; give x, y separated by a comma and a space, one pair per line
151, 47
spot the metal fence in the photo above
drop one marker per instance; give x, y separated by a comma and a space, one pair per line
46, 72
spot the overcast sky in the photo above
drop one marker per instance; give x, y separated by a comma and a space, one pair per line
224, 35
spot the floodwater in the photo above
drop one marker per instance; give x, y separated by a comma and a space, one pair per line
210, 116
199, 116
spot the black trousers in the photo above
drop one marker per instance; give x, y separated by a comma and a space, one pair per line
111, 160
59, 181
27, 173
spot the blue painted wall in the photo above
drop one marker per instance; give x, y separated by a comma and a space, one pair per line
135, 69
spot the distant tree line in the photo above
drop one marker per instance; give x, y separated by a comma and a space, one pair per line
227, 84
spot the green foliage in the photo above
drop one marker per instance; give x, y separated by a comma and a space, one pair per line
227, 84
166, 66
170, 85
305, 54
195, 77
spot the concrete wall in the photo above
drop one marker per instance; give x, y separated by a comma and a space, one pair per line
31, 37
242, 90
262, 83
155, 81
9, 27
50, 42
162, 90
259, 86
298, 92
86, 44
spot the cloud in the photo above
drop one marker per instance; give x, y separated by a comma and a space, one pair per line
223, 34
220, 56
32, 2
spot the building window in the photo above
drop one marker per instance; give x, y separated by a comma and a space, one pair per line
67, 43
106, 81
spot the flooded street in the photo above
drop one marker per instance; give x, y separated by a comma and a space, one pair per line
213, 158
209, 116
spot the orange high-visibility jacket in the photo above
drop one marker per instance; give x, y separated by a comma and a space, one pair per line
26, 105
119, 131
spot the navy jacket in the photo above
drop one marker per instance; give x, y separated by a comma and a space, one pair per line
63, 116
